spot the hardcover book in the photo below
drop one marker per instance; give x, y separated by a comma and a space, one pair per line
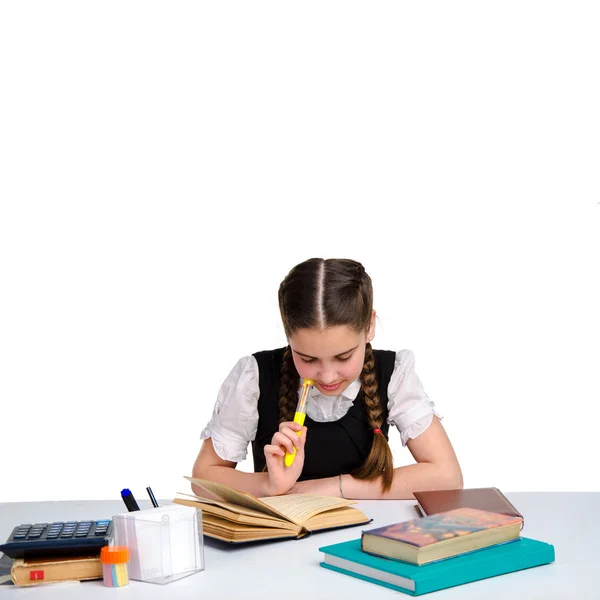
42, 570
441, 536
348, 558
491, 499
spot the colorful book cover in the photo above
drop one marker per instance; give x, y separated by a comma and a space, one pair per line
442, 526
348, 558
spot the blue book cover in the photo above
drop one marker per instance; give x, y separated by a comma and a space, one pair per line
348, 558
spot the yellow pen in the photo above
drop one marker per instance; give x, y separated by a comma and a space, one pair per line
299, 416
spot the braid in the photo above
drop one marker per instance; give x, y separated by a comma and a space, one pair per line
379, 463
288, 387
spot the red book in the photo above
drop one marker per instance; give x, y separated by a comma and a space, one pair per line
490, 499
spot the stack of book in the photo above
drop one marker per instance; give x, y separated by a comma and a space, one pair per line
442, 550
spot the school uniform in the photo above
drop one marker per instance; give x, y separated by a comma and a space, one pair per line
339, 436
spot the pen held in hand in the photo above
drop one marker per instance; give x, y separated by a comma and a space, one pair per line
299, 416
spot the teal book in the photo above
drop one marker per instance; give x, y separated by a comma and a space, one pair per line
348, 558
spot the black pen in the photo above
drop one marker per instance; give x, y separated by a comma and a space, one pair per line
152, 498
129, 500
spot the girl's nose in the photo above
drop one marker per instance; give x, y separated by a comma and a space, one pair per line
327, 377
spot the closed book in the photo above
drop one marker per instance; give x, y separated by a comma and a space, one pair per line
349, 559
428, 539
491, 498
27, 571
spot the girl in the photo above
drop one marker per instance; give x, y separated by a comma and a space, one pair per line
328, 317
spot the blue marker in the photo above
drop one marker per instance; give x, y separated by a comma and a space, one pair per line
129, 500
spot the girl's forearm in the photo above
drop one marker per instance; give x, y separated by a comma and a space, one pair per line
411, 478
418, 477
256, 484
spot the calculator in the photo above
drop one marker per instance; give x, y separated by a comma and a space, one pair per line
63, 538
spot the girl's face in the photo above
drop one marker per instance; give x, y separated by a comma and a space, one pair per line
332, 358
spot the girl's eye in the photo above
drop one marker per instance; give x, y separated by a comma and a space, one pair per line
312, 360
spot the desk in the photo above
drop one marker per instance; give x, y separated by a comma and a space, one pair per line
570, 521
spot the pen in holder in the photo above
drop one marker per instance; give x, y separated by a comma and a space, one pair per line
165, 542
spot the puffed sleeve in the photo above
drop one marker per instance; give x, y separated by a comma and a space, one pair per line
409, 407
235, 416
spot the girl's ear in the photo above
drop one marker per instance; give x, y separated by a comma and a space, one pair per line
371, 331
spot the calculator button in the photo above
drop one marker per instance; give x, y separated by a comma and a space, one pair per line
52, 536
66, 534
33, 536
19, 536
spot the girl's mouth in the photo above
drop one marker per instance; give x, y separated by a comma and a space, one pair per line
330, 388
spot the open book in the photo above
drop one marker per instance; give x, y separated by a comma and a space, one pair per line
234, 516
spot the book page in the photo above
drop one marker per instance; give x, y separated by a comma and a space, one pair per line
234, 508
301, 507
232, 496
339, 517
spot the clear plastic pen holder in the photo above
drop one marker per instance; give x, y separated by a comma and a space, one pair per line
165, 543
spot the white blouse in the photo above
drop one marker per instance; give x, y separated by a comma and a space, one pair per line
235, 417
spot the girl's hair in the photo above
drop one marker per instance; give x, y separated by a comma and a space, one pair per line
317, 294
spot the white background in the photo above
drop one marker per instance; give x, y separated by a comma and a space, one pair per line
163, 165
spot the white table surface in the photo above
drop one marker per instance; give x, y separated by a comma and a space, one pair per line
290, 569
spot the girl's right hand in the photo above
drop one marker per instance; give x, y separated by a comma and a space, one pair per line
282, 478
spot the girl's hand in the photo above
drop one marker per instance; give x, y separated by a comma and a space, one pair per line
282, 478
